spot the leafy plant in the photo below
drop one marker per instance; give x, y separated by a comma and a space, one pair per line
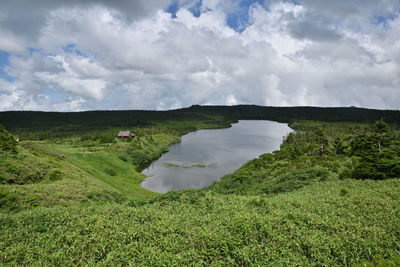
7, 141
110, 171
55, 174
378, 153
140, 158
8, 200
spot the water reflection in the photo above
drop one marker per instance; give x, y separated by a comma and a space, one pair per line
203, 157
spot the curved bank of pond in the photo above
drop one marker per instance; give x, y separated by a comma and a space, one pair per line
204, 156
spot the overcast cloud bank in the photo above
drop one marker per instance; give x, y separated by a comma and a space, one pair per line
67, 56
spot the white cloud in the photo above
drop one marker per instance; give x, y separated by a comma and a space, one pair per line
231, 100
10, 43
286, 56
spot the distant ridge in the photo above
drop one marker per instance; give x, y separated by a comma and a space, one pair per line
124, 118
288, 114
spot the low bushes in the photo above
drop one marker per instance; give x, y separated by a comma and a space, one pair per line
22, 168
293, 180
140, 158
145, 149
321, 225
7, 141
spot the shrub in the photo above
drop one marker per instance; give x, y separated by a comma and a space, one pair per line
24, 167
106, 138
99, 136
7, 200
107, 196
123, 157
110, 171
140, 158
296, 179
55, 174
32, 200
378, 153
7, 141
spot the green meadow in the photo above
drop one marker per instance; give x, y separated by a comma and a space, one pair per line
329, 197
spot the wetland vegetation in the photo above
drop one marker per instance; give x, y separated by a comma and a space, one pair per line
70, 191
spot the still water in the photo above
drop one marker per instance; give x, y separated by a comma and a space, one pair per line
204, 156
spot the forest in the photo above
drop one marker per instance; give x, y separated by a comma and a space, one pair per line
43, 125
70, 191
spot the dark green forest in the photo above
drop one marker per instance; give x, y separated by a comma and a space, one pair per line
42, 125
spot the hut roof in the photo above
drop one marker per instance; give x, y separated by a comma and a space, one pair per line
126, 133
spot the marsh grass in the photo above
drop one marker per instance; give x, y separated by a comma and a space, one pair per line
168, 164
199, 165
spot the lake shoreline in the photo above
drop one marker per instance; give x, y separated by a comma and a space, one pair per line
246, 130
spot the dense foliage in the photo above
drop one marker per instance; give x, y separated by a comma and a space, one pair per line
292, 114
327, 224
78, 201
378, 153
145, 149
51, 125
7, 141
317, 151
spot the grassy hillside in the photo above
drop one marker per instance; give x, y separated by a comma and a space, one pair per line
317, 225
305, 204
91, 168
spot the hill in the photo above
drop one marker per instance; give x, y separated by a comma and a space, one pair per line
44, 125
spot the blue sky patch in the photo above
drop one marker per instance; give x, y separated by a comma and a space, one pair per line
173, 8
72, 49
239, 20
196, 9
3, 64
4, 59
383, 20
54, 95
32, 50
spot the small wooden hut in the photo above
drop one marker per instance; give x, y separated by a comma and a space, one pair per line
126, 135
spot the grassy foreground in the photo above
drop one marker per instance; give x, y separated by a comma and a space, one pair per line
82, 204
318, 225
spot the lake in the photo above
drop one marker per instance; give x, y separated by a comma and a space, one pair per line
204, 156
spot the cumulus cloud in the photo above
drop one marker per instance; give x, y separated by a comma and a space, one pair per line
136, 55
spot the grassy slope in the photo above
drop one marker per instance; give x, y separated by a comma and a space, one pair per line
320, 222
90, 171
97, 164
74, 186
315, 225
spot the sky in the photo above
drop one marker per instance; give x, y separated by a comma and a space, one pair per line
72, 55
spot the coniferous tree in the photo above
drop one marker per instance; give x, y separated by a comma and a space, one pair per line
322, 142
378, 153
338, 146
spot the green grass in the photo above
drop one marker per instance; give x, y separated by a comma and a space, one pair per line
111, 164
76, 170
317, 225
62, 181
289, 208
